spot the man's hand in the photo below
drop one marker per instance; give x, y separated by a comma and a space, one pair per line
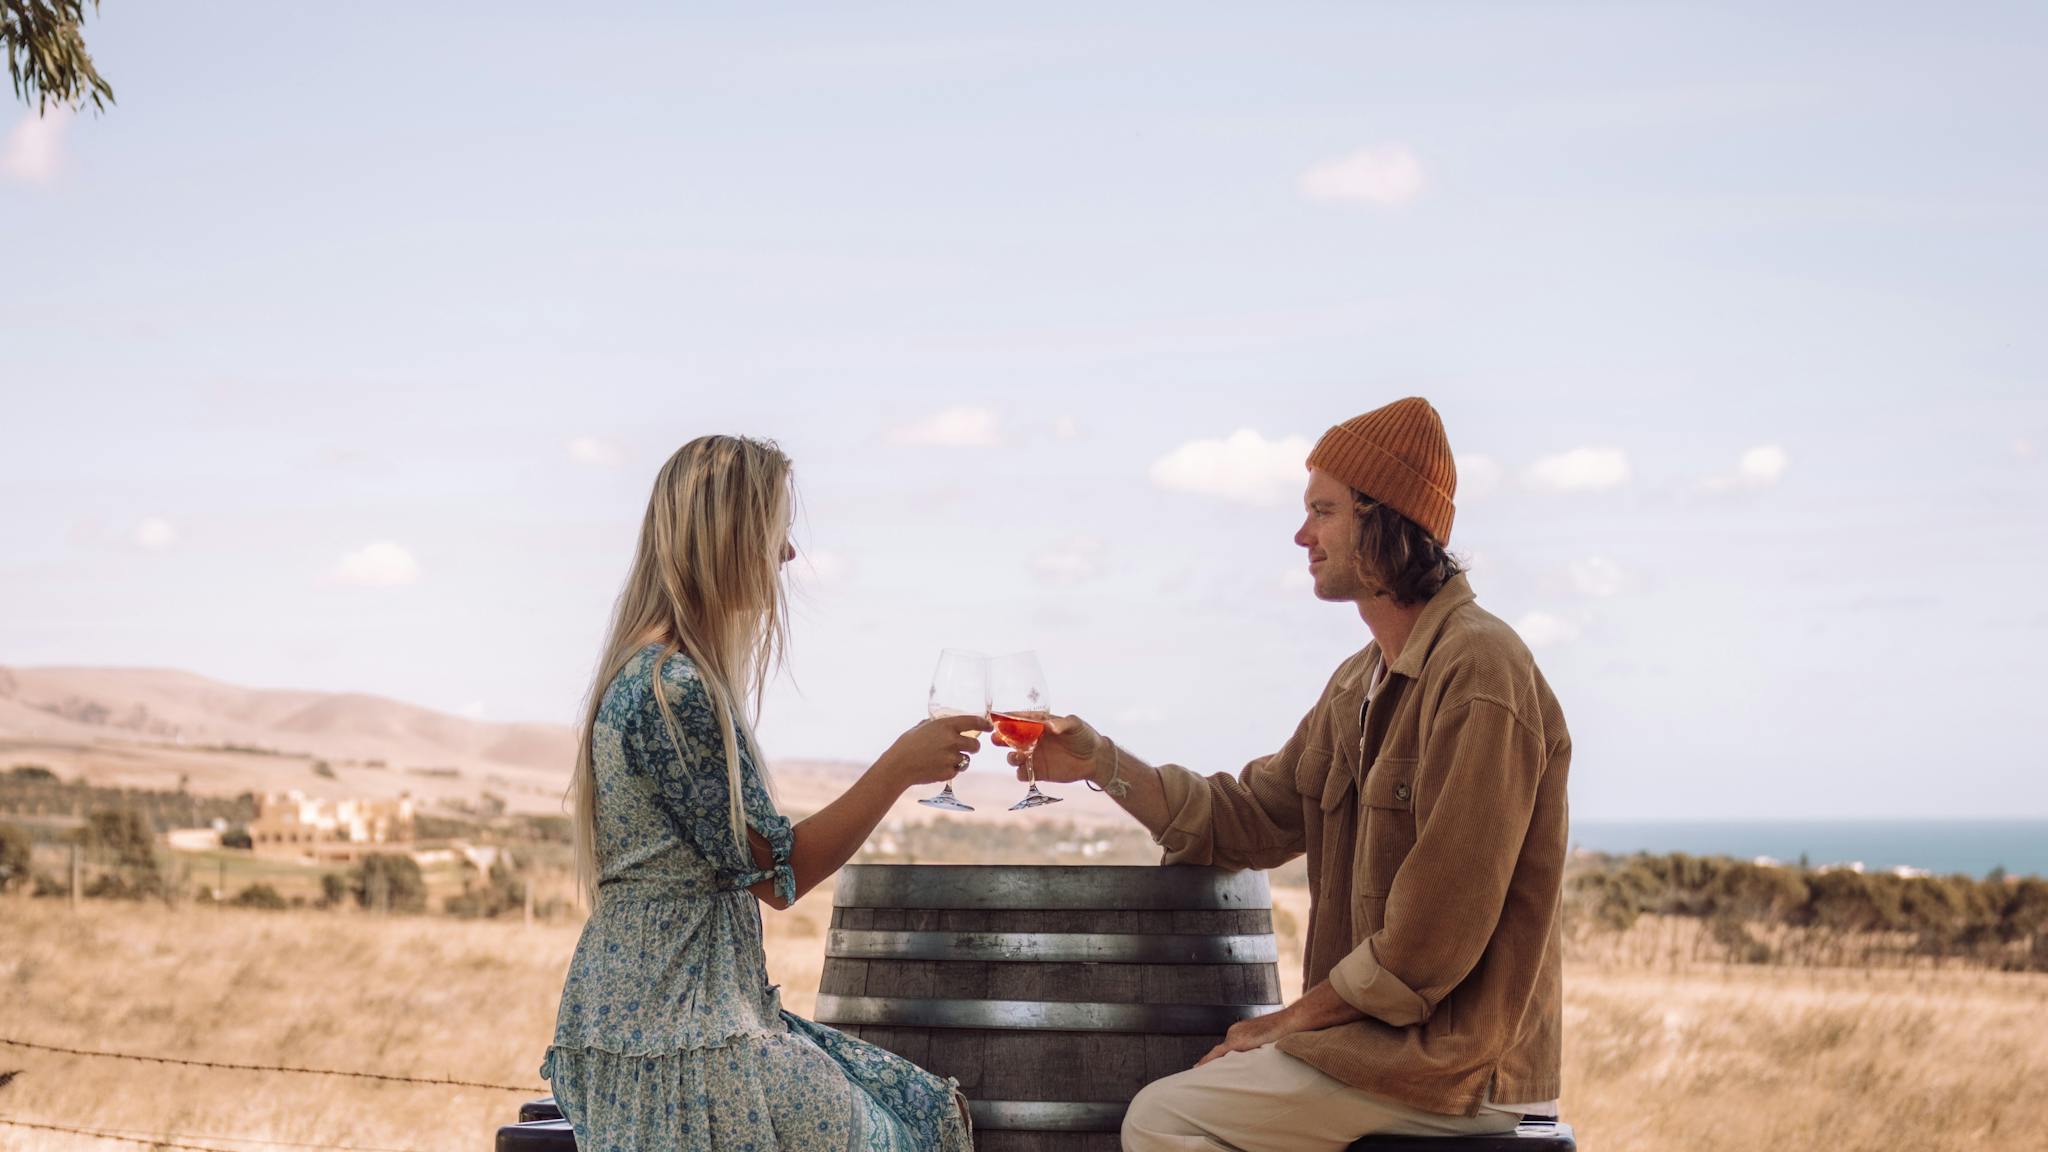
1257, 1032
1065, 753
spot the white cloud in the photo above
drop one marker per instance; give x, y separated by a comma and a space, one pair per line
1580, 470
1478, 478
1760, 467
2023, 448
1296, 580
381, 564
476, 709
1070, 561
1246, 468
1764, 464
953, 428
596, 451
34, 148
1388, 174
1543, 630
156, 534
1598, 577
1067, 428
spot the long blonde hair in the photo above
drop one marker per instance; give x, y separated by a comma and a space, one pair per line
707, 582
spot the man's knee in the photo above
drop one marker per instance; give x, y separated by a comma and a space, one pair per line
1152, 1115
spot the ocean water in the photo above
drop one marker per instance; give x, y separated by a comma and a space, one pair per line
1970, 847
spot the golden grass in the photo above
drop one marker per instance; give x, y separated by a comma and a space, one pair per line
1659, 1059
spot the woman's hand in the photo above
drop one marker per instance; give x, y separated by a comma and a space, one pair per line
1065, 753
934, 751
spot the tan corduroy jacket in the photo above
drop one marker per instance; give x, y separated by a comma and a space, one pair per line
1436, 835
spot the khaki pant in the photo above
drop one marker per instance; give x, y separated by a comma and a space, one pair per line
1267, 1101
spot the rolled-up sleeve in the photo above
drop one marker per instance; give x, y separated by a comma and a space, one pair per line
1475, 792
1365, 984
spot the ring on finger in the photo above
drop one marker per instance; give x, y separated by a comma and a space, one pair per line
962, 763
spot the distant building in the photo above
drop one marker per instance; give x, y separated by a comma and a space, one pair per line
295, 818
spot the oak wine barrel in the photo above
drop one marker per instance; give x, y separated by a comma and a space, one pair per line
1052, 994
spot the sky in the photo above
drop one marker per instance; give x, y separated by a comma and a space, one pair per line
342, 351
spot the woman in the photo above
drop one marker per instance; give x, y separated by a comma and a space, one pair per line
669, 1034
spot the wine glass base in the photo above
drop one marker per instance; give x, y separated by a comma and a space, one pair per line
947, 801
1034, 800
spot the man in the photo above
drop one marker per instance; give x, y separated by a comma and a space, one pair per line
1427, 789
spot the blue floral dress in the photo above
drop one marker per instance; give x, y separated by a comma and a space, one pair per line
669, 1034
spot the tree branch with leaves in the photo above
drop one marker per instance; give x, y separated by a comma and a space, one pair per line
44, 44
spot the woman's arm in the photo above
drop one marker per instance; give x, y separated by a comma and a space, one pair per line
827, 839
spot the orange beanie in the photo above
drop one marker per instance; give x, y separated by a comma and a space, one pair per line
1397, 455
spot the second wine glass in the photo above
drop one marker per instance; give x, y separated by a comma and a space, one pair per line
959, 688
1019, 705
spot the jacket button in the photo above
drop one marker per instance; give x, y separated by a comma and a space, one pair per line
1401, 793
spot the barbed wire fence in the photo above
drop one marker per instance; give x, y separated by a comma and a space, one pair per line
174, 1139
177, 1141
9, 1042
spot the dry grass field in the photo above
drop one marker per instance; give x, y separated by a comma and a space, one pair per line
1661, 1057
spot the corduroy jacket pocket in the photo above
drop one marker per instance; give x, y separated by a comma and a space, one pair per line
1336, 788
1389, 821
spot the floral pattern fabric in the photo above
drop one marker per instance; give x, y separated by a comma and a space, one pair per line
669, 1034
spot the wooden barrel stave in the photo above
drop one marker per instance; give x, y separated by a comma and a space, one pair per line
993, 1140
1054, 983
1050, 1017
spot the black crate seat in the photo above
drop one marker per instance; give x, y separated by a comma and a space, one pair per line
537, 1136
543, 1130
1529, 1136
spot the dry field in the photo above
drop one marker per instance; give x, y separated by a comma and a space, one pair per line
1660, 1058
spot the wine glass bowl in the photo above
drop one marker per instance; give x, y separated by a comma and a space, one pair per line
1019, 707
960, 687
1019, 730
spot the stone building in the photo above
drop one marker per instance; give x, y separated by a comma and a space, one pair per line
295, 818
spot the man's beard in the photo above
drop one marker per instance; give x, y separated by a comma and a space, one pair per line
1340, 580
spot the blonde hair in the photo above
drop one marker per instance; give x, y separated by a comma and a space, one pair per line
706, 581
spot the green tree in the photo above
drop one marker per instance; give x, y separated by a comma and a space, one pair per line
125, 844
44, 43
15, 849
2026, 911
392, 883
503, 892
334, 888
1842, 901
261, 896
1753, 893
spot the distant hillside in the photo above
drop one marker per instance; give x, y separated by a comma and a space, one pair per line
155, 727
152, 727
163, 705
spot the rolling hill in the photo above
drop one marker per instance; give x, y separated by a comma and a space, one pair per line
160, 728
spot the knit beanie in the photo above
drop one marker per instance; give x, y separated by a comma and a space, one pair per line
1397, 455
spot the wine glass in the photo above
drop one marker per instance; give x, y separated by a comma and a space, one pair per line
1019, 705
959, 688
